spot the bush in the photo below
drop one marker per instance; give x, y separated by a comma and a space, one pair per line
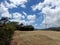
6, 33
14, 24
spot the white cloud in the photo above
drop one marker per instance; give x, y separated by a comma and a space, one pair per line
2, 8
52, 16
24, 13
31, 17
4, 11
15, 3
23, 5
9, 5
6, 14
39, 7
18, 2
17, 20
17, 15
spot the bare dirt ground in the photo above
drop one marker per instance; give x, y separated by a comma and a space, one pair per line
36, 38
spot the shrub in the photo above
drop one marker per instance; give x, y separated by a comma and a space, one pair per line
5, 34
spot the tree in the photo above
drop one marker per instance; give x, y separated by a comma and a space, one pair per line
6, 31
20, 26
4, 20
28, 28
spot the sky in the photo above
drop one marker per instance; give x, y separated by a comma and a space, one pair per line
39, 13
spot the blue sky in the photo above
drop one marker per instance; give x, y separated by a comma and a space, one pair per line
32, 12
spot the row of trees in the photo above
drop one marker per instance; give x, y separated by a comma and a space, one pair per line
7, 29
5, 21
21, 27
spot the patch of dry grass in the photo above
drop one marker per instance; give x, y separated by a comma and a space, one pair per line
36, 38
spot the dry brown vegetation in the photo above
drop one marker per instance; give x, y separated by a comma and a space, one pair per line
36, 38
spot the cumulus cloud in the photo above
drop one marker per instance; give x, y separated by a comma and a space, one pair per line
17, 15
31, 18
48, 3
4, 11
38, 6
18, 2
15, 3
51, 10
20, 21
9, 5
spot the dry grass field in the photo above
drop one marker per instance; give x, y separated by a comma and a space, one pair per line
36, 38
